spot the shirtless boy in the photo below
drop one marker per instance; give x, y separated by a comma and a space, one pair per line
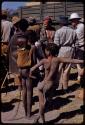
51, 66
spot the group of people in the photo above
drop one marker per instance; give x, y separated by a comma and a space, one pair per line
44, 53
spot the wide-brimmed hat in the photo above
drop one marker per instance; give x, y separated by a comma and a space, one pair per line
63, 20
74, 16
15, 19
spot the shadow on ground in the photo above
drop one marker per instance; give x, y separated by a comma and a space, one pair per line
55, 92
8, 89
7, 106
56, 103
73, 76
74, 87
66, 115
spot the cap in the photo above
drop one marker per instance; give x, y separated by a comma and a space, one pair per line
63, 20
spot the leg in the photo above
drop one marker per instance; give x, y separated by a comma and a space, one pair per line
66, 76
41, 96
42, 89
23, 73
29, 96
41, 105
24, 95
80, 67
60, 76
80, 72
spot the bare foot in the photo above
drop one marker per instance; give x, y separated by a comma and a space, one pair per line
41, 120
33, 118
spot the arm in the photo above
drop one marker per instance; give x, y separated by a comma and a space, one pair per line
68, 60
37, 65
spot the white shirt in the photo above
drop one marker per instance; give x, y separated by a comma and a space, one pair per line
5, 30
80, 34
65, 36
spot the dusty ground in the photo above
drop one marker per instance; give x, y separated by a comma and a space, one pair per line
63, 108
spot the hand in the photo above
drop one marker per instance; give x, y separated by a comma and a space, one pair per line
31, 76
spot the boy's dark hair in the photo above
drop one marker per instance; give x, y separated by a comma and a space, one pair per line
52, 48
20, 42
23, 24
31, 36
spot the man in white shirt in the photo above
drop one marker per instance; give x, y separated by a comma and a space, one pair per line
65, 38
5, 27
79, 28
5, 31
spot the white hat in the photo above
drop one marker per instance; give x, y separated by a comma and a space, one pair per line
74, 16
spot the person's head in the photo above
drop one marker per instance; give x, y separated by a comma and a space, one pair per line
15, 21
31, 36
21, 40
23, 25
74, 19
63, 20
47, 21
51, 49
4, 14
32, 21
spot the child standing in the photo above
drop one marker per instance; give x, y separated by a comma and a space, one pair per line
25, 60
51, 65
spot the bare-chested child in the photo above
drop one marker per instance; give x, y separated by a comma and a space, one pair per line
51, 66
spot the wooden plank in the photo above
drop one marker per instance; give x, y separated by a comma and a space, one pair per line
30, 7
25, 9
53, 6
34, 15
75, 9
59, 14
74, 3
27, 12
54, 10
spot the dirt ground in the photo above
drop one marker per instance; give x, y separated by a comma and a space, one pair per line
62, 109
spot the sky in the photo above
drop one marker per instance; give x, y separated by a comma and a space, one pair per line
12, 5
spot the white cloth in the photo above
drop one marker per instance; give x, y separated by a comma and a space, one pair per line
65, 37
80, 35
5, 30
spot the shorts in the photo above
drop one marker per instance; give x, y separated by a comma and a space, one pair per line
24, 72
